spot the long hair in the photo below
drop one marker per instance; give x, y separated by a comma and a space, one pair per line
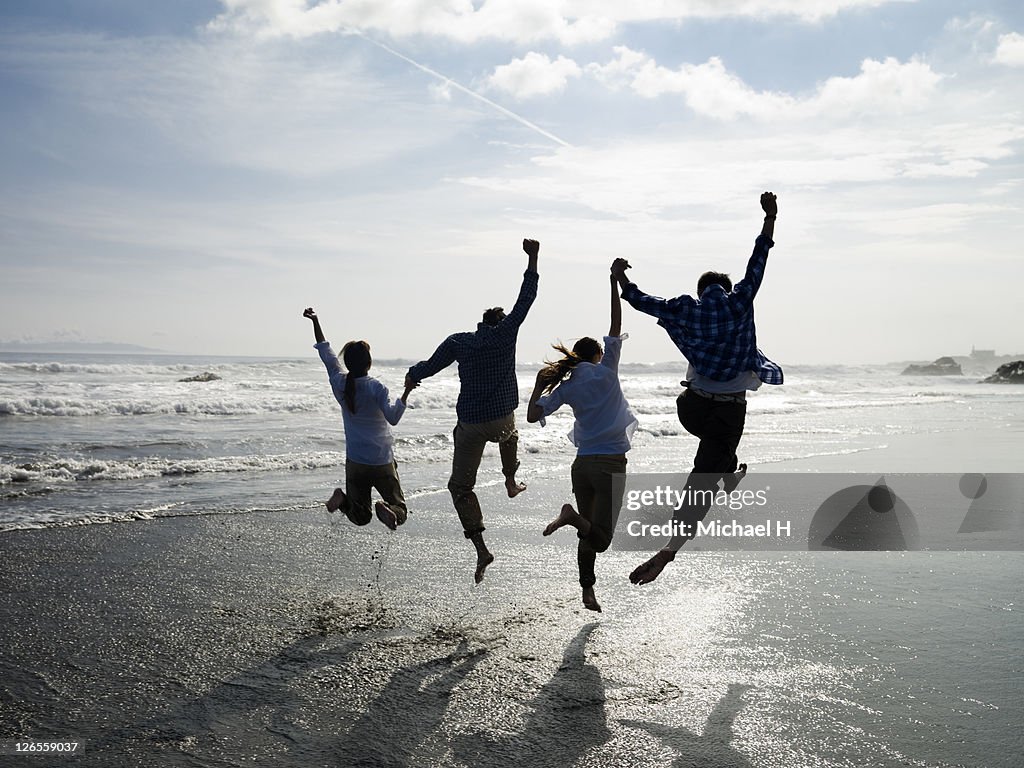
554, 372
356, 355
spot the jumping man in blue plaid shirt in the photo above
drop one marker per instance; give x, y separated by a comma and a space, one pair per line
715, 332
488, 396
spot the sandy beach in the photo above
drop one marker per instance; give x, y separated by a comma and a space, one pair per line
285, 639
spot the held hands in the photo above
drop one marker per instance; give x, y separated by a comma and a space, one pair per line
409, 387
618, 269
532, 247
768, 204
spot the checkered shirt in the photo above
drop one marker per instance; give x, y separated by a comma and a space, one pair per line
716, 332
487, 362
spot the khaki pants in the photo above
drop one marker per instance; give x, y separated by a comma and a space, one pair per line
598, 500
360, 479
470, 440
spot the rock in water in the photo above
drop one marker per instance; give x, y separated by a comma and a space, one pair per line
944, 366
203, 377
1008, 373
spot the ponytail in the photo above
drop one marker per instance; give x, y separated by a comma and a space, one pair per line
554, 372
356, 355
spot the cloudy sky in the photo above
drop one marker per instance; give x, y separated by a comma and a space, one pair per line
188, 176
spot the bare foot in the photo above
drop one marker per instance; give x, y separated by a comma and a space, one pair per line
567, 516
650, 570
482, 561
337, 499
513, 488
386, 515
730, 481
590, 600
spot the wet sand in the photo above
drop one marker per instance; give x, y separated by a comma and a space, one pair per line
288, 640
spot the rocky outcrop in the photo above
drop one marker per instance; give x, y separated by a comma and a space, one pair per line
944, 366
1008, 373
203, 377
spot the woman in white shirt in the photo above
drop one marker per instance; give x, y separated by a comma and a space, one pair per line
367, 413
601, 434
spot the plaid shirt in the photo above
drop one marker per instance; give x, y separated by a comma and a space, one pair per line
716, 333
487, 362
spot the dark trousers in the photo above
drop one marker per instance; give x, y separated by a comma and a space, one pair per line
719, 425
598, 500
360, 479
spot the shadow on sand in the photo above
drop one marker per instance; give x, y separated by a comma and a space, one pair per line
297, 709
710, 749
254, 712
395, 729
292, 710
567, 720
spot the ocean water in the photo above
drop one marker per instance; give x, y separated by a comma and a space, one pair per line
90, 438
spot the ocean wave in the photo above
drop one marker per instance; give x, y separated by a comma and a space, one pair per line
150, 368
12, 493
437, 440
110, 369
425, 399
63, 520
75, 518
71, 470
59, 406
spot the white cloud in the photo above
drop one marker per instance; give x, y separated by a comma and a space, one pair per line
568, 21
534, 75
889, 86
620, 71
711, 90
460, 20
1011, 50
645, 180
809, 11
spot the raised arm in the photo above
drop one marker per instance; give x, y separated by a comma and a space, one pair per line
771, 210
615, 329
327, 355
746, 289
317, 332
532, 248
668, 309
528, 290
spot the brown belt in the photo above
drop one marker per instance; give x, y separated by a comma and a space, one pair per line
729, 397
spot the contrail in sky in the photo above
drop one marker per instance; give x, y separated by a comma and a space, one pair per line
464, 89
